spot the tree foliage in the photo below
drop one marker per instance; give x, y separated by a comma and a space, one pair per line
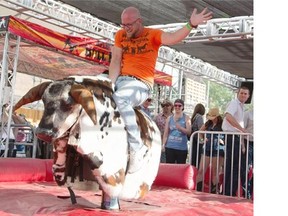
219, 96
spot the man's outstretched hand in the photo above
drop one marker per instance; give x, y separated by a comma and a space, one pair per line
199, 18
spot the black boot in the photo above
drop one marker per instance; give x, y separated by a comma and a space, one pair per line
199, 186
213, 188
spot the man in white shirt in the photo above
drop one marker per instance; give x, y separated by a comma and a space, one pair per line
247, 156
234, 122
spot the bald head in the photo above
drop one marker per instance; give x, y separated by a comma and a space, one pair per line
130, 13
131, 22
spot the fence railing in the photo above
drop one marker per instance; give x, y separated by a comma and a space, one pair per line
224, 161
28, 139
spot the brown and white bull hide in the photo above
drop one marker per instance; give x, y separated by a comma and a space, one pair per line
80, 111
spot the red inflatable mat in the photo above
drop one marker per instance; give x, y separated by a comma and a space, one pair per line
26, 189
38, 199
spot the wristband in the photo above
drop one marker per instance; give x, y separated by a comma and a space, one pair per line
188, 26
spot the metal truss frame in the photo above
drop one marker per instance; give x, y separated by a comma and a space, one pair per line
76, 21
7, 84
235, 28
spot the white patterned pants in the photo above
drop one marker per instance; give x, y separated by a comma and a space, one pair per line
130, 92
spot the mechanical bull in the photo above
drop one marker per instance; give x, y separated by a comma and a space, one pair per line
90, 141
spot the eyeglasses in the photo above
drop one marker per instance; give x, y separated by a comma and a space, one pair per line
149, 100
177, 105
128, 25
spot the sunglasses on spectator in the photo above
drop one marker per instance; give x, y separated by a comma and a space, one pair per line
165, 105
149, 100
177, 105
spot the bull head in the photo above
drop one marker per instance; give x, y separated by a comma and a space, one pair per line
83, 96
79, 93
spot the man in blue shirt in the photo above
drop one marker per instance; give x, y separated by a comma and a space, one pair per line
145, 106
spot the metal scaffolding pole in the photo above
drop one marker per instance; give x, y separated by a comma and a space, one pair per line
8, 80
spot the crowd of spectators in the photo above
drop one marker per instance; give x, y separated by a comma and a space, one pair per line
211, 151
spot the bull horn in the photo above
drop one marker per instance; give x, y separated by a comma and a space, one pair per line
84, 97
34, 94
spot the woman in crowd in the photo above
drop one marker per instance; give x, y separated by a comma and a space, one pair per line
196, 121
177, 127
213, 149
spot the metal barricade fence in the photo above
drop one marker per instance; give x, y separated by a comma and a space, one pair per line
30, 139
222, 165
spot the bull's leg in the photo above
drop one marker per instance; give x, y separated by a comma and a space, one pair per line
109, 203
72, 195
95, 159
60, 147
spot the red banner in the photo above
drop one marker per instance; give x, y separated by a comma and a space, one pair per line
162, 78
83, 47
90, 49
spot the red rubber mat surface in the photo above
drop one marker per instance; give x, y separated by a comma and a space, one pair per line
25, 199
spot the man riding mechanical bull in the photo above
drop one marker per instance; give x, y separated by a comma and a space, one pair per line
104, 133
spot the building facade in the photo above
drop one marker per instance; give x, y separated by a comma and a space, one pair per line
194, 91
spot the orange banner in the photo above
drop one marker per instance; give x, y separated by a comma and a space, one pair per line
90, 49
162, 78
83, 47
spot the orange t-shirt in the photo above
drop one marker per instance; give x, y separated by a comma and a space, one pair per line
139, 54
